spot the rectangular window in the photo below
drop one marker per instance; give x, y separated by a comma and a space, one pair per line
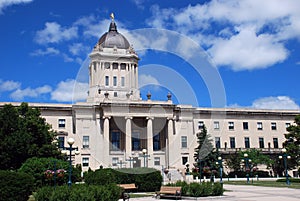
115, 140
156, 160
115, 161
200, 124
261, 143
107, 65
123, 81
216, 125
115, 81
115, 66
61, 142
106, 80
245, 126
259, 126
273, 126
123, 66
156, 142
85, 142
61, 123
217, 142
184, 160
247, 142
232, 142
135, 141
85, 162
231, 125
275, 143
183, 141
115, 94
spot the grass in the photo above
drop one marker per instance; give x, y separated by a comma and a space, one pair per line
139, 195
265, 183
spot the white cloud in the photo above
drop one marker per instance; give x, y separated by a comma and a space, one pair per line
6, 3
78, 48
47, 51
70, 90
145, 80
9, 85
279, 102
20, 94
54, 33
244, 35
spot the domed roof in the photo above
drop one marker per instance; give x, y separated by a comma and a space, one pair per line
113, 38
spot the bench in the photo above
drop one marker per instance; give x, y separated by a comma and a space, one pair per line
126, 187
169, 191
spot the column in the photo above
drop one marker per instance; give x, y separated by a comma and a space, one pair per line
128, 137
150, 140
169, 135
106, 142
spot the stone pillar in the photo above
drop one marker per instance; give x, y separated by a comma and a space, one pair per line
150, 140
106, 143
168, 136
128, 147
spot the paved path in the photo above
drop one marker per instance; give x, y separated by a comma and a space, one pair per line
248, 193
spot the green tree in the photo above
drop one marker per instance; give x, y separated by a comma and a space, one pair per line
205, 155
24, 134
292, 143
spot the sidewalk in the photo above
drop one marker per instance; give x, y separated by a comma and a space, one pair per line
247, 193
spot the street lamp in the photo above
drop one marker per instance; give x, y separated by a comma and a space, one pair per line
285, 156
71, 141
220, 162
144, 155
247, 166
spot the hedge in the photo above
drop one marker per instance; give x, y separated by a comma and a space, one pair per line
146, 179
294, 180
15, 186
79, 192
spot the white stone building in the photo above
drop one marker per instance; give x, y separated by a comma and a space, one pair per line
114, 125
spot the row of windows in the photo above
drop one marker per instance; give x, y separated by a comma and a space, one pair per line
117, 162
115, 81
259, 125
246, 143
114, 66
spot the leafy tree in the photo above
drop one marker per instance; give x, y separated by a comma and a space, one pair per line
292, 143
24, 134
205, 155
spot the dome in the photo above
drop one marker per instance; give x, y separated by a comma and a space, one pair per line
113, 38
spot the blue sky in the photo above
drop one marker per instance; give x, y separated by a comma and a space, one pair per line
253, 45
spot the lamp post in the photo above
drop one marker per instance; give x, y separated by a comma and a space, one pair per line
71, 142
247, 166
144, 155
220, 162
285, 156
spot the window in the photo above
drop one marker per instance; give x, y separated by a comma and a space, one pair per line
106, 80
184, 160
273, 126
135, 141
245, 126
232, 142
115, 81
123, 66
217, 142
200, 124
115, 161
259, 126
261, 143
85, 162
122, 81
231, 125
275, 143
156, 142
115, 140
61, 123
183, 141
247, 142
115, 94
115, 66
107, 65
216, 125
85, 142
156, 160
61, 142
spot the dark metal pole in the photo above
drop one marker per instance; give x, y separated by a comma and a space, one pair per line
286, 169
70, 168
247, 168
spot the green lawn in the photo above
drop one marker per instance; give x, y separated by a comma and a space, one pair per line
265, 183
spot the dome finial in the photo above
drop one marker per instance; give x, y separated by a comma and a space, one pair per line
112, 16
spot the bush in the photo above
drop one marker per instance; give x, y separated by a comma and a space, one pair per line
15, 186
217, 189
78, 193
294, 180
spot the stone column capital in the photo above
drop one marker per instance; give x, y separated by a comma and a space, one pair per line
149, 118
128, 117
106, 117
